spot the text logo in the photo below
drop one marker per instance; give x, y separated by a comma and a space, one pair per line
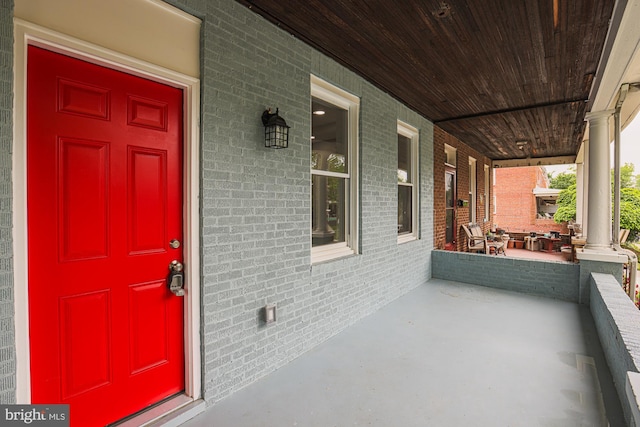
34, 415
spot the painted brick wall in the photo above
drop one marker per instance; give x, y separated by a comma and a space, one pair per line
462, 176
515, 203
549, 279
256, 202
616, 320
7, 334
587, 267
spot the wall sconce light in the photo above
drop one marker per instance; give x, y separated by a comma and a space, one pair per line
276, 131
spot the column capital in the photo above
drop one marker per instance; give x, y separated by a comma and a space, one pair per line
598, 115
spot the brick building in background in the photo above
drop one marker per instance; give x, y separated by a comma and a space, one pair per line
455, 163
523, 201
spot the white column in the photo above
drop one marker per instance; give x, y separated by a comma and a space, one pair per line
599, 183
580, 216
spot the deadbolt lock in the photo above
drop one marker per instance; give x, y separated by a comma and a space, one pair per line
175, 280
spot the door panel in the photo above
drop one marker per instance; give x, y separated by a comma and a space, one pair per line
148, 326
104, 197
83, 199
84, 335
146, 182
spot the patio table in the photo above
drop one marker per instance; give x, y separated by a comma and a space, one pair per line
548, 242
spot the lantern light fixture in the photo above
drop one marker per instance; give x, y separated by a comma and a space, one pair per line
276, 131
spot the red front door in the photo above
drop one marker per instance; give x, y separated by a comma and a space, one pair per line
104, 194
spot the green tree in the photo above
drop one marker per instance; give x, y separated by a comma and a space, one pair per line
562, 180
627, 179
566, 205
630, 211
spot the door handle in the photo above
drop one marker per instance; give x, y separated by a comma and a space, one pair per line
175, 280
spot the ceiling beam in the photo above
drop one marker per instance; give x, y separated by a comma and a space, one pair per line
539, 161
509, 110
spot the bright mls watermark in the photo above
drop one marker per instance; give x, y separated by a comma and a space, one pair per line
34, 415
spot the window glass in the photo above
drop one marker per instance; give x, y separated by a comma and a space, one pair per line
329, 141
404, 159
328, 210
405, 209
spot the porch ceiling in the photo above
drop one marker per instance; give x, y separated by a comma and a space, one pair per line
489, 72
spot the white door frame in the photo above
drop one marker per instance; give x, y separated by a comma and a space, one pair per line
26, 34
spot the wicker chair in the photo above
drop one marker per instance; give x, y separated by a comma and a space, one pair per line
477, 241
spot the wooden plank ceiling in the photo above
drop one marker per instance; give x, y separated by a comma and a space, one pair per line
490, 72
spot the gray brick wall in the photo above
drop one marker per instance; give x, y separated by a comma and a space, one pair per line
7, 334
617, 321
549, 279
256, 203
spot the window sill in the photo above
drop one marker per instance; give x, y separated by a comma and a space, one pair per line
404, 238
331, 252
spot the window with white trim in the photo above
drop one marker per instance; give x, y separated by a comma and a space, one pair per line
472, 189
487, 199
450, 156
407, 182
334, 174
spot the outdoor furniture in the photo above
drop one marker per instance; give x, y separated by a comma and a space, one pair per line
497, 245
531, 243
624, 233
548, 242
477, 241
505, 240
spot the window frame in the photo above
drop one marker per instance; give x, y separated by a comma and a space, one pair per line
473, 190
487, 198
450, 156
331, 94
413, 135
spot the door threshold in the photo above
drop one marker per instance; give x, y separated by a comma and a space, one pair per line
170, 413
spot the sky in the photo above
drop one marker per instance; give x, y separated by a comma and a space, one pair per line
629, 149
630, 145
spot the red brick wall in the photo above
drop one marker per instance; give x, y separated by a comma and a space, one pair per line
516, 204
462, 177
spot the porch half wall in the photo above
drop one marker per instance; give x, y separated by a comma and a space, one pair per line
547, 279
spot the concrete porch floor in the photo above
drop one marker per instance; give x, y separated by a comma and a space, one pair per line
446, 354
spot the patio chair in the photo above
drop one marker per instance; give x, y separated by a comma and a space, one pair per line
498, 246
624, 233
475, 242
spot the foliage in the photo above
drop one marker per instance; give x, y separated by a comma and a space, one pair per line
627, 179
563, 180
566, 205
630, 211
633, 247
